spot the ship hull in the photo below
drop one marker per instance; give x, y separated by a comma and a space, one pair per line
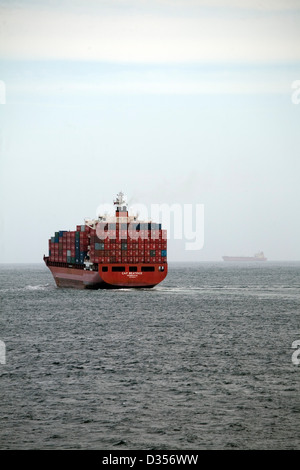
77, 277
243, 258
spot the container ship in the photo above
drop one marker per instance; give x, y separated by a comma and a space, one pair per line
109, 252
257, 257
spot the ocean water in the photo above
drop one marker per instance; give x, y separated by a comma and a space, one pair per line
201, 361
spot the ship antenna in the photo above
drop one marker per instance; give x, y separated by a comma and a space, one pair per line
119, 201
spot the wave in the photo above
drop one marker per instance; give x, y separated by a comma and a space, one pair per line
37, 287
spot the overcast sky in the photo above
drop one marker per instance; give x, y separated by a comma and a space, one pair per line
171, 101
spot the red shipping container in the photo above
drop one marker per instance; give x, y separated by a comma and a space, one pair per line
154, 234
133, 235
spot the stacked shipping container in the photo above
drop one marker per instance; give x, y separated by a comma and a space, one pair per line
69, 247
110, 243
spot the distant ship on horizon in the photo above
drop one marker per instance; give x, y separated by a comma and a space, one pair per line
257, 257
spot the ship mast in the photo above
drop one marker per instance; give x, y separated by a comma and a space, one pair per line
121, 208
120, 201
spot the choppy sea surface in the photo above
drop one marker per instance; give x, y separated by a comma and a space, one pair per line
202, 361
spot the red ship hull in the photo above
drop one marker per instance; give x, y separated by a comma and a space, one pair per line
75, 276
